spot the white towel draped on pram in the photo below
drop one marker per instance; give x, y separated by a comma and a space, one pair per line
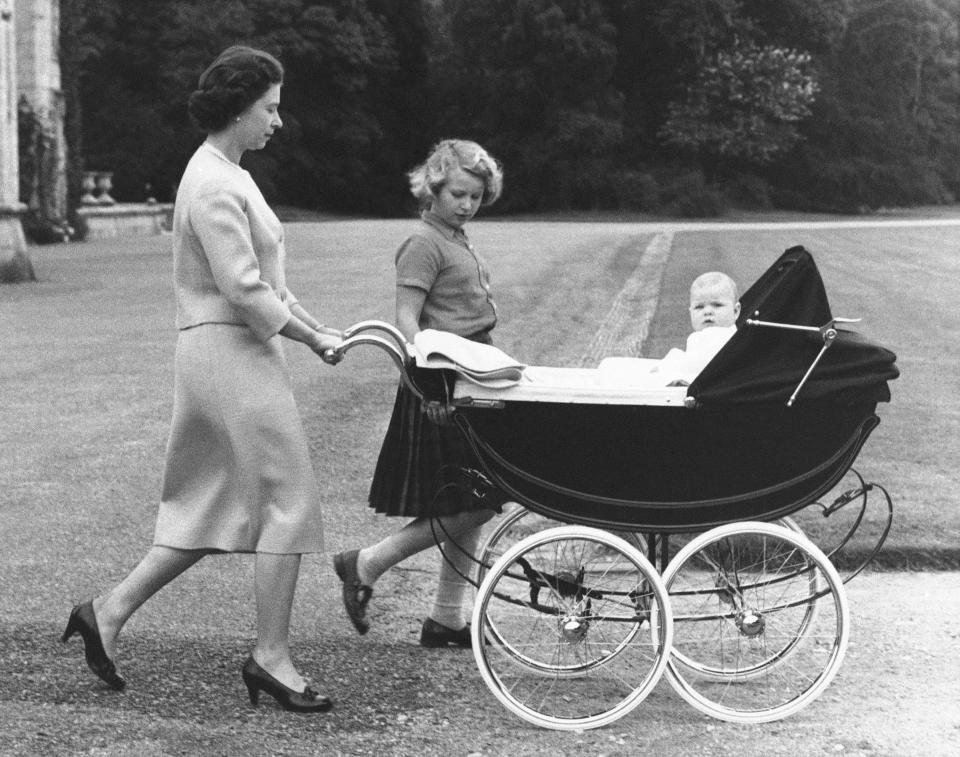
483, 364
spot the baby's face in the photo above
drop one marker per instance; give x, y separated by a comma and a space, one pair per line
712, 305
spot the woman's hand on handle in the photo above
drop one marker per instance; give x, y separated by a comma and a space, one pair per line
326, 348
322, 340
329, 340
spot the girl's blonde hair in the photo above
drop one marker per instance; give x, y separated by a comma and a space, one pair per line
427, 179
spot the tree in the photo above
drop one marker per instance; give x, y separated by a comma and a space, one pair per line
406, 107
336, 54
700, 84
744, 103
740, 85
343, 83
85, 28
817, 26
884, 130
534, 83
589, 103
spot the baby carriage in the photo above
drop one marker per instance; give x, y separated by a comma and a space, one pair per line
676, 553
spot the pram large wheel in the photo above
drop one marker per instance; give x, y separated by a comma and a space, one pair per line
568, 605
761, 622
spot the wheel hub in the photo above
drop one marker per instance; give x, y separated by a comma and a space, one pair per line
750, 623
573, 629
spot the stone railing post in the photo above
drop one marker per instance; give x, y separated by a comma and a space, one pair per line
106, 218
105, 184
96, 186
88, 183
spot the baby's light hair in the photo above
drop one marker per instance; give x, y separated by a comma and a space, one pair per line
713, 278
427, 179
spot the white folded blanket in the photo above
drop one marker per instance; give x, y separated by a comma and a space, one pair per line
483, 364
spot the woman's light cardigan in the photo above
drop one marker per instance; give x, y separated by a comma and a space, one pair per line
228, 253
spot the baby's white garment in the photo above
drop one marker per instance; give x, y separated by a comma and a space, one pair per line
702, 346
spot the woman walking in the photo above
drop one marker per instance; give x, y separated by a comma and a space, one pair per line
238, 476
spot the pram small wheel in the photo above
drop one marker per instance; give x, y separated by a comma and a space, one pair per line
578, 627
776, 653
760, 622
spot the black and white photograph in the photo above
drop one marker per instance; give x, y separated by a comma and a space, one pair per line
498, 378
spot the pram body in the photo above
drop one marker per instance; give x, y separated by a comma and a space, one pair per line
749, 618
724, 449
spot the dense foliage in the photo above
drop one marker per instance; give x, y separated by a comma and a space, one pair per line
679, 106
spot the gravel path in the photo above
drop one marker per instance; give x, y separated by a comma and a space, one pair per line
895, 695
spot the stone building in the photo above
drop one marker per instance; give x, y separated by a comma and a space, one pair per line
30, 81
37, 29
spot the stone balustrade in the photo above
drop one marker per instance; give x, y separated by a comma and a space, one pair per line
108, 219
96, 186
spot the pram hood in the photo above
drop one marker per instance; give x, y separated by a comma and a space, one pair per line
761, 364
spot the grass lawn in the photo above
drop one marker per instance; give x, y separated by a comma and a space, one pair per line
87, 361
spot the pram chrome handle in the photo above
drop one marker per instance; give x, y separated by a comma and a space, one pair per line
397, 352
374, 325
827, 332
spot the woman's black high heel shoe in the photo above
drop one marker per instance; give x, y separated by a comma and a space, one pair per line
257, 679
84, 621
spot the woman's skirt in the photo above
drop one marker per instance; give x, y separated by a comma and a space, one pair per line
420, 470
238, 475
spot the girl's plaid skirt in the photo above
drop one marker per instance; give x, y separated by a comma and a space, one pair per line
420, 471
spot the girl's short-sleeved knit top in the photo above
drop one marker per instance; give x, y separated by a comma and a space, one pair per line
440, 260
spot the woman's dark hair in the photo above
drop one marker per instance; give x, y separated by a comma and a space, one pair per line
236, 79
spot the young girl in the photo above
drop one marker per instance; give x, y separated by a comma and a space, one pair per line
442, 283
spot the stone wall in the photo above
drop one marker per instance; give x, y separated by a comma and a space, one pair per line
12, 244
37, 30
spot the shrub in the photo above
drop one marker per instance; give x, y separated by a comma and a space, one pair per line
748, 191
41, 230
636, 190
688, 195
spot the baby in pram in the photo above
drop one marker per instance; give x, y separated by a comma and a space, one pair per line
714, 308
